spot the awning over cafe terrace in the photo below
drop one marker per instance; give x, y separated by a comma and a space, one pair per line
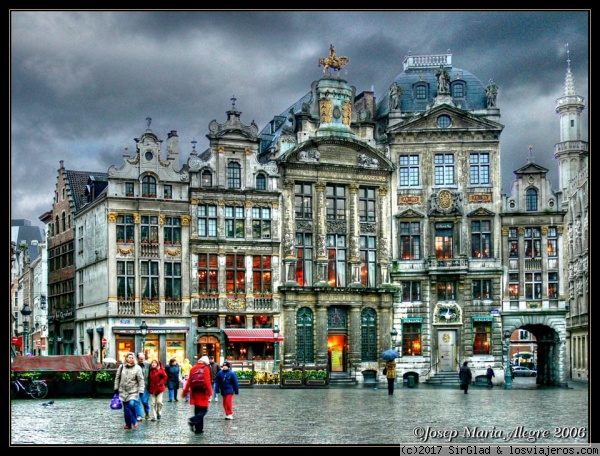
252, 335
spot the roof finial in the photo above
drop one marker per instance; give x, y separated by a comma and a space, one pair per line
148, 121
568, 59
194, 142
233, 100
530, 154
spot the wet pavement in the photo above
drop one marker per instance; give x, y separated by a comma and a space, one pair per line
433, 415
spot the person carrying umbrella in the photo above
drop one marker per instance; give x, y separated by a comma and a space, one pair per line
390, 369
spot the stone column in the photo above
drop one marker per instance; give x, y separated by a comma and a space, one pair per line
354, 335
383, 217
354, 238
321, 335
289, 234
289, 330
320, 235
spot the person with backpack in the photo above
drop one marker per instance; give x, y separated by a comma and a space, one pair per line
227, 384
199, 388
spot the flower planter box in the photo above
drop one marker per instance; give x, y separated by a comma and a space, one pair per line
291, 382
315, 382
245, 382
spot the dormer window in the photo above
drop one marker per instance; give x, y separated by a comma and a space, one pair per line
206, 178
421, 92
234, 175
129, 189
531, 200
458, 89
168, 192
261, 182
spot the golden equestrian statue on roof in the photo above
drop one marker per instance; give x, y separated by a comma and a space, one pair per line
337, 63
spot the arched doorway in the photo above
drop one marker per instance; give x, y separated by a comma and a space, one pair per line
540, 347
209, 346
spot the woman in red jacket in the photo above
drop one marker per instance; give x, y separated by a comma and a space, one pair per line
199, 399
157, 378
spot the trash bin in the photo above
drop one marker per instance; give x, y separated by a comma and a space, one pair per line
411, 381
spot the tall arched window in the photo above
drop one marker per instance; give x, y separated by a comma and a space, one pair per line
531, 200
234, 175
261, 182
304, 336
368, 330
148, 187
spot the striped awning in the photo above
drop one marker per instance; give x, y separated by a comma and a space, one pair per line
252, 335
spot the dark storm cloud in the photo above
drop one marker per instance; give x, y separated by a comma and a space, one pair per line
83, 82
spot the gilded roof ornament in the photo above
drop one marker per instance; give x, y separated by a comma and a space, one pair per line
334, 62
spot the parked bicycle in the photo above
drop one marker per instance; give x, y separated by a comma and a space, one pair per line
37, 389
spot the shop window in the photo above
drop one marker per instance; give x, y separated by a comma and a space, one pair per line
151, 347
235, 321
411, 339
175, 347
262, 321
482, 342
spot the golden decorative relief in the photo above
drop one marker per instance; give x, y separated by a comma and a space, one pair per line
173, 252
194, 201
220, 149
325, 110
504, 231
161, 219
521, 230
346, 112
383, 190
124, 251
560, 229
446, 338
136, 218
545, 230
248, 204
236, 304
275, 205
150, 307
334, 62
185, 220
111, 217
248, 151
445, 199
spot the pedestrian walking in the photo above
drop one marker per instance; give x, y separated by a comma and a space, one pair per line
489, 373
228, 385
129, 383
173, 370
390, 375
465, 376
186, 366
199, 398
214, 370
143, 405
157, 379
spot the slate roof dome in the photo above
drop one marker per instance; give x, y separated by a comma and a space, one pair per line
418, 82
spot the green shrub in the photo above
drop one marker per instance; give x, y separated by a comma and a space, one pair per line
104, 377
292, 374
315, 374
84, 375
244, 375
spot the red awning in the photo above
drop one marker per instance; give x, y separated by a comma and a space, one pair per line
252, 335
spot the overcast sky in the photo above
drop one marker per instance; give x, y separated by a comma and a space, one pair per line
84, 82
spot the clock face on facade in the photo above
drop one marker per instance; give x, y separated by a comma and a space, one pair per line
445, 199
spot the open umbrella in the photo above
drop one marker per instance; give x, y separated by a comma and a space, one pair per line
389, 355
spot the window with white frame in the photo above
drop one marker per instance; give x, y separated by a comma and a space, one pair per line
148, 187
336, 255
533, 242
261, 274
125, 280
149, 276
149, 229
208, 273
481, 239
303, 200
125, 228
234, 175
368, 260
533, 285
304, 259
410, 240
261, 182
261, 223
207, 220
172, 281
409, 170
206, 180
531, 199
479, 168
172, 231
234, 222
444, 169
366, 204
335, 202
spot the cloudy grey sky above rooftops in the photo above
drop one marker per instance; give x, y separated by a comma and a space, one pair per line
83, 82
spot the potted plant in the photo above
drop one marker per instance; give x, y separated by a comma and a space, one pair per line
315, 377
104, 382
245, 377
291, 378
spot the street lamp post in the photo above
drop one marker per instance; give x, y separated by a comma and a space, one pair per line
507, 372
144, 330
394, 336
275, 348
26, 311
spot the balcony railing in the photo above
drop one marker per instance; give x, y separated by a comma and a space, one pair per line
263, 303
205, 303
173, 307
447, 264
125, 307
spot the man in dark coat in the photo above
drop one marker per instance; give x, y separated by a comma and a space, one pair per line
465, 377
